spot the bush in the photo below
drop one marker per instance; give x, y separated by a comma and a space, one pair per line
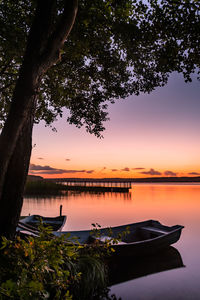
50, 267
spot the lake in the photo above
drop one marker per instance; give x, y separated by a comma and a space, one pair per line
170, 204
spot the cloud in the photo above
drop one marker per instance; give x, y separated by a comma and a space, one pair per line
170, 173
138, 168
75, 171
67, 159
54, 171
114, 170
125, 169
193, 173
38, 169
34, 167
151, 172
40, 158
90, 171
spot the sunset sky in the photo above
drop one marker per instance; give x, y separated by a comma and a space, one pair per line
147, 135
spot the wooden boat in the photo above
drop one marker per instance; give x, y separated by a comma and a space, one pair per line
143, 238
30, 223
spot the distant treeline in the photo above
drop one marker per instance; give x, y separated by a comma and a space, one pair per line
43, 187
167, 179
147, 179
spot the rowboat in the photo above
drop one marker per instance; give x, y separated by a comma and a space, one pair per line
141, 238
30, 223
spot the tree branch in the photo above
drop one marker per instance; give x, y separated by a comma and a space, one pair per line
58, 37
41, 28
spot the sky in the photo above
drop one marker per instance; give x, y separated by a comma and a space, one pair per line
150, 135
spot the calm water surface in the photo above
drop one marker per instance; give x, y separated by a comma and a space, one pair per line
169, 203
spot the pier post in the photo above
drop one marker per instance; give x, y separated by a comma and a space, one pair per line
60, 210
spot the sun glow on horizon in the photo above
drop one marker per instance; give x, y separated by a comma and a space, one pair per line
147, 136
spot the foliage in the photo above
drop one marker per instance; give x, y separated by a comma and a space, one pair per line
115, 49
50, 267
37, 268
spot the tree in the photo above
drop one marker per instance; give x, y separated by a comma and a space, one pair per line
115, 48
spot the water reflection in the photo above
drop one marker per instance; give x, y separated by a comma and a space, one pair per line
102, 195
79, 194
168, 203
122, 269
82, 208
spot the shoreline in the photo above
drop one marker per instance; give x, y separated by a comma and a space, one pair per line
131, 180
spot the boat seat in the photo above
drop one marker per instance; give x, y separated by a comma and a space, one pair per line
154, 230
27, 233
27, 226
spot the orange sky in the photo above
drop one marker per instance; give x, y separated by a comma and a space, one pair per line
149, 135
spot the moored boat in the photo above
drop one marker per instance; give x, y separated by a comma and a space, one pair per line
30, 223
141, 238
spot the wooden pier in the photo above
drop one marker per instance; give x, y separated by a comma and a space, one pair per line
97, 185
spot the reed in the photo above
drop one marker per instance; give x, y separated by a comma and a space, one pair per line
43, 187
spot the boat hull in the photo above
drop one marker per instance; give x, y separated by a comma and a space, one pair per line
149, 246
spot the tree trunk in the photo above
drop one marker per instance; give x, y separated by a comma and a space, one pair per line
47, 35
15, 152
15, 179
